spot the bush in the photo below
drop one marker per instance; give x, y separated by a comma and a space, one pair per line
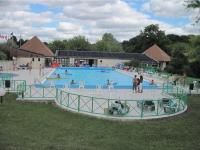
194, 69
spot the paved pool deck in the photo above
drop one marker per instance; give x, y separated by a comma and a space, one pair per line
31, 76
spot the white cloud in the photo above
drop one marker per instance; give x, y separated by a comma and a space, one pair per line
168, 8
91, 18
68, 27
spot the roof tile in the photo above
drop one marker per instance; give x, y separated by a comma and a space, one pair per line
36, 46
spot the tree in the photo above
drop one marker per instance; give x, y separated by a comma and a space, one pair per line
178, 63
108, 43
4, 51
56, 45
149, 36
194, 4
2, 56
21, 42
152, 35
180, 46
131, 46
75, 43
195, 69
79, 43
173, 38
193, 51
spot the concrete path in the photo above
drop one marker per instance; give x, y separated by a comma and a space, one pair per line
123, 94
30, 77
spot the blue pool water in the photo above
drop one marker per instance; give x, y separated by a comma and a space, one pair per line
91, 77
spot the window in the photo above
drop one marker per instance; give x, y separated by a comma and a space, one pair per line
38, 58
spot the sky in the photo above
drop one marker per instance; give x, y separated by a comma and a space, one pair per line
62, 19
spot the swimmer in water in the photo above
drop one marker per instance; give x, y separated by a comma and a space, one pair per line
72, 82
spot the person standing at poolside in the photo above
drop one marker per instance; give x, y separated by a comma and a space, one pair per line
141, 84
135, 83
40, 70
29, 67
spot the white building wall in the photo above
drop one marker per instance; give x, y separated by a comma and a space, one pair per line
71, 61
109, 62
102, 62
163, 65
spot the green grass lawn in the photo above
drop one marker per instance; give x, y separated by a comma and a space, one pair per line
35, 126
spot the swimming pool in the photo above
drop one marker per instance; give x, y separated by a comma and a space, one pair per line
91, 77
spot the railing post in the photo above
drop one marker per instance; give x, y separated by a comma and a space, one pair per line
108, 103
142, 109
163, 88
180, 98
60, 97
79, 103
14, 84
30, 90
68, 99
43, 92
56, 94
158, 102
167, 87
92, 105
24, 85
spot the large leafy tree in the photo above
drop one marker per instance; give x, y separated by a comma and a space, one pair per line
75, 43
4, 51
108, 43
149, 36
56, 45
178, 63
173, 38
194, 4
194, 53
79, 43
153, 35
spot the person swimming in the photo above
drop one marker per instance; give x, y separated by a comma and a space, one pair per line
72, 82
66, 71
58, 76
152, 82
108, 82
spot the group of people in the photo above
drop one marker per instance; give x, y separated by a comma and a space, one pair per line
138, 84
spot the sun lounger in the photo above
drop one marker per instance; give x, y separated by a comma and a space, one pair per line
147, 105
23, 67
171, 107
117, 108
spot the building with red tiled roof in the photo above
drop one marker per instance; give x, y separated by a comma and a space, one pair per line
34, 51
157, 54
34, 47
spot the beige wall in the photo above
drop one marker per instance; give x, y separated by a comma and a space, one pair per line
35, 63
105, 62
6, 64
110, 62
163, 65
